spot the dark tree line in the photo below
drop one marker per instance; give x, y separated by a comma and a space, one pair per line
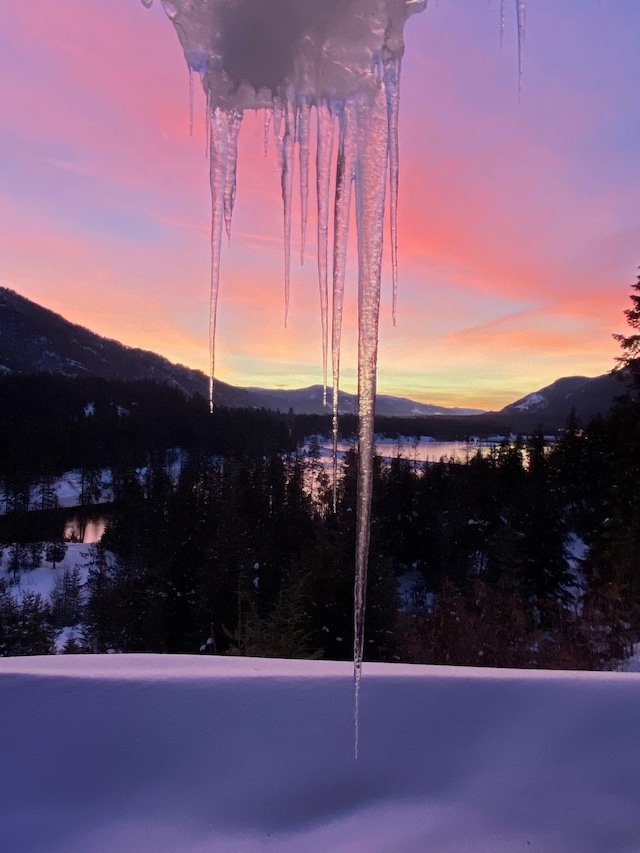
50, 424
235, 556
246, 556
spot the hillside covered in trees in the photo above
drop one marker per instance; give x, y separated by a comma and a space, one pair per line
222, 537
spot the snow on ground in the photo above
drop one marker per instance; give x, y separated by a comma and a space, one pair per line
43, 580
194, 754
68, 488
632, 663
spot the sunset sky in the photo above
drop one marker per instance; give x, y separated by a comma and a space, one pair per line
519, 220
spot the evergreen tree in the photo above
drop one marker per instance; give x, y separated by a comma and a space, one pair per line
45, 496
285, 632
25, 624
17, 558
34, 551
107, 622
630, 344
55, 552
91, 486
67, 599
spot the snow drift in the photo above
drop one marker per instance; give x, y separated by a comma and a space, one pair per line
141, 752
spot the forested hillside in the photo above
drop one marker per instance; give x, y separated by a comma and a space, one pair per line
221, 536
49, 424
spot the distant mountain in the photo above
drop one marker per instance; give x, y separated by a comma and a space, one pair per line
309, 401
36, 340
551, 405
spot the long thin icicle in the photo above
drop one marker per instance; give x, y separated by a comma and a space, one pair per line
278, 134
267, 126
344, 179
324, 153
371, 169
209, 111
349, 54
392, 86
218, 161
190, 101
234, 121
304, 127
287, 152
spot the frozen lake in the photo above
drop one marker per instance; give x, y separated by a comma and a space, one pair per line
423, 449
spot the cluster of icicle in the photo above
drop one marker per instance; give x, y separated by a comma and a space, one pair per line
343, 59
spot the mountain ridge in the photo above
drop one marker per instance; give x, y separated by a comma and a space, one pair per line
34, 339
586, 396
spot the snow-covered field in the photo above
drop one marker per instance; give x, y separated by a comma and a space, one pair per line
43, 580
160, 753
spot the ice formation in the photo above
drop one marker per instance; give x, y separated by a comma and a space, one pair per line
343, 59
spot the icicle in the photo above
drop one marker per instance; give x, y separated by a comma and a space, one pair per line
147, 3
218, 162
503, 23
190, 101
278, 133
235, 119
267, 126
345, 175
371, 169
522, 17
326, 63
304, 122
288, 150
324, 152
392, 86
207, 149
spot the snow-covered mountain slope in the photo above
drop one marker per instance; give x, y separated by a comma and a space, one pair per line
193, 754
310, 401
552, 404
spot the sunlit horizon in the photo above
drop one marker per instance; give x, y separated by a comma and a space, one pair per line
519, 221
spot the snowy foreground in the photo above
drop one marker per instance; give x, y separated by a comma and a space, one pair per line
162, 753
